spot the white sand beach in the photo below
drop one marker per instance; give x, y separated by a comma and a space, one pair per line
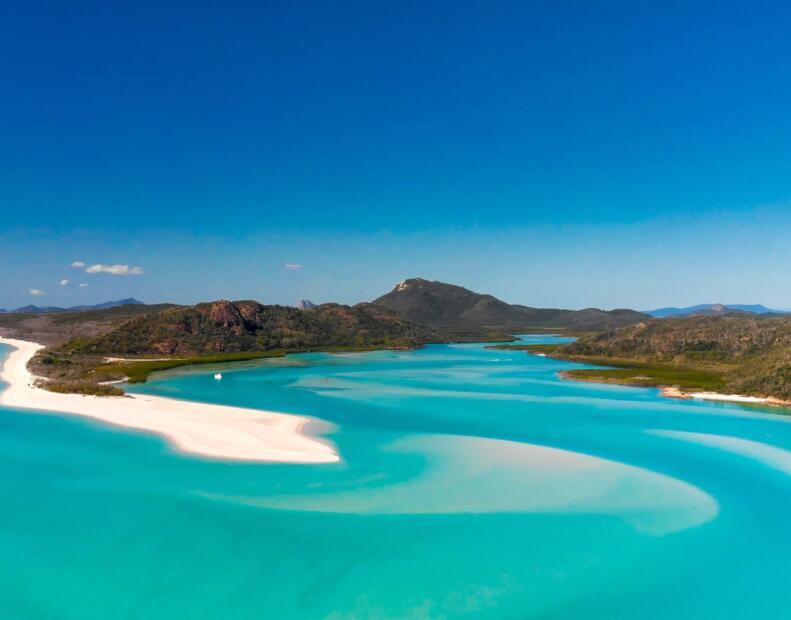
212, 431
674, 392
728, 398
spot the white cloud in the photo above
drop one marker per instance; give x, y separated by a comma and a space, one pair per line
83, 285
115, 270
64, 282
37, 292
293, 266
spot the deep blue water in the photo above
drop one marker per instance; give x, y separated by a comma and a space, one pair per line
474, 483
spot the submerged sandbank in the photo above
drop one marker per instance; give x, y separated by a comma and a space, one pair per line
213, 431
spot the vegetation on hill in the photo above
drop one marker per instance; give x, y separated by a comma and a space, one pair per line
135, 346
57, 328
244, 326
454, 308
160, 337
737, 353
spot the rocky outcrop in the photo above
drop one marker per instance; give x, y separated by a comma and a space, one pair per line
224, 313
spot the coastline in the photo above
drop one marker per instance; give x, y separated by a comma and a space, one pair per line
200, 429
672, 391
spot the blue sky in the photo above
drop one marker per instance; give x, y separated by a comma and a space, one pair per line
555, 154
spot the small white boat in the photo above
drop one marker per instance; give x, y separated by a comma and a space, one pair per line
218, 376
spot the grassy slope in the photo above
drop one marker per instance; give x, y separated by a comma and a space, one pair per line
626, 372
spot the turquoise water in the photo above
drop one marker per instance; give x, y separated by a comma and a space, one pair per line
474, 484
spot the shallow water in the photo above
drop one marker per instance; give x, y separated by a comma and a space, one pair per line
474, 483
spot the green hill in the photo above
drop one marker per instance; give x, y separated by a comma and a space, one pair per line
737, 353
231, 327
215, 332
451, 307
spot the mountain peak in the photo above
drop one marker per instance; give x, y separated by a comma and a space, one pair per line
405, 285
442, 305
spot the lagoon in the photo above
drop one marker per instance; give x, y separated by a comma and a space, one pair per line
474, 483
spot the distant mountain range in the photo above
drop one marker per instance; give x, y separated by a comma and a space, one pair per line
714, 310
39, 309
745, 347
448, 306
129, 301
